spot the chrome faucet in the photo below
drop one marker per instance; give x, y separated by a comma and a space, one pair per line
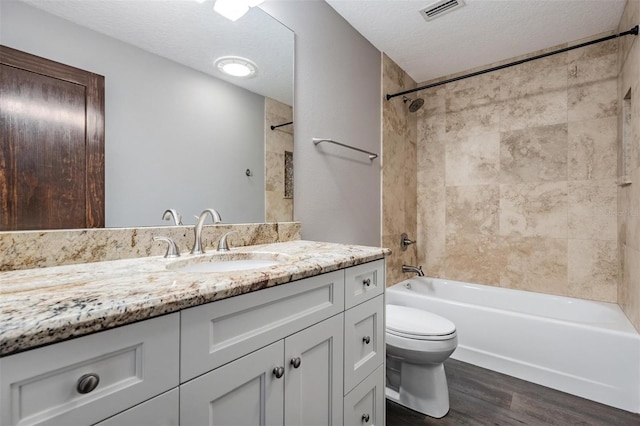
197, 230
172, 214
223, 245
415, 269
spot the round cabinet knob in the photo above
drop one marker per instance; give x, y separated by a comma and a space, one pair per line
367, 282
278, 372
366, 340
365, 418
87, 383
296, 362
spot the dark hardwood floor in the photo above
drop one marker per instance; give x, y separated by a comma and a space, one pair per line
483, 397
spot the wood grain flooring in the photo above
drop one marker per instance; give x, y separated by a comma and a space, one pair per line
483, 397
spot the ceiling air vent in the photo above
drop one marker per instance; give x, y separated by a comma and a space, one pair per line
440, 8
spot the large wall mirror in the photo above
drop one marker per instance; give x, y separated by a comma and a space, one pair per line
178, 133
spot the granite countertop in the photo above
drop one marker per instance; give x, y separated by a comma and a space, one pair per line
47, 305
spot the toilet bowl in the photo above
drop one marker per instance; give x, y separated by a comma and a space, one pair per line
418, 343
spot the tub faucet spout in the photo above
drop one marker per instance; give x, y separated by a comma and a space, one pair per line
415, 269
197, 230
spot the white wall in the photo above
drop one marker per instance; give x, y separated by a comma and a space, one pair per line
175, 137
337, 95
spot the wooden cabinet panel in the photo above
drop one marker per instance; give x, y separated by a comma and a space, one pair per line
365, 404
51, 144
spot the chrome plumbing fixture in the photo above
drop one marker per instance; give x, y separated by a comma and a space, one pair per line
173, 214
197, 230
405, 242
172, 248
223, 245
415, 269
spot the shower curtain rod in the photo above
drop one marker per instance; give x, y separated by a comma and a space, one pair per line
632, 31
280, 125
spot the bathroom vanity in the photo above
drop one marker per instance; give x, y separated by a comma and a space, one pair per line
298, 343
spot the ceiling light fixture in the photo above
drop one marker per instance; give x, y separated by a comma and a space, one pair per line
236, 66
234, 9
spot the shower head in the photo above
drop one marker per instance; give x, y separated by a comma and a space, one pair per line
414, 104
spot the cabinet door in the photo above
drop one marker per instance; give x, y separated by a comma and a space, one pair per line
313, 386
365, 405
243, 392
159, 411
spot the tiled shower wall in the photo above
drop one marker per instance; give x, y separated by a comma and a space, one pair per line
628, 212
516, 176
278, 205
398, 171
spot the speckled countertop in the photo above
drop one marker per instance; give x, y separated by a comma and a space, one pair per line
47, 305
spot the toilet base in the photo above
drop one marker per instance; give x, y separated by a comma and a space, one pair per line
423, 388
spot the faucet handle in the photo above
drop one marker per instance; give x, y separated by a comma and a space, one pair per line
172, 214
172, 248
223, 245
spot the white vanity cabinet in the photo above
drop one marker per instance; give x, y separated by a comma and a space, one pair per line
310, 352
276, 356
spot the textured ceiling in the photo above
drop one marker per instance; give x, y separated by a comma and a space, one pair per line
192, 34
477, 34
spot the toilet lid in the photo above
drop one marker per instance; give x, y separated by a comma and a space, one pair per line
416, 322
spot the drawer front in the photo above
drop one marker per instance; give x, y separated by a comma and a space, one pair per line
133, 363
363, 282
365, 405
363, 341
159, 411
219, 332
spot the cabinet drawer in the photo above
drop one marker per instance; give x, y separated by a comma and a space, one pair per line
159, 411
219, 332
363, 341
363, 282
133, 363
364, 405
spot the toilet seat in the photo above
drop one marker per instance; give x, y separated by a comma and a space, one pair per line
412, 323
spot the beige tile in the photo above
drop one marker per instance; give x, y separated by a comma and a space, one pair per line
630, 300
593, 149
274, 172
468, 94
593, 70
593, 270
631, 214
524, 85
534, 111
278, 208
473, 161
471, 122
534, 210
534, 155
430, 234
473, 209
535, 264
474, 258
592, 210
593, 100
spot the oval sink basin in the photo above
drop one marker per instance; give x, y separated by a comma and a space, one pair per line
228, 262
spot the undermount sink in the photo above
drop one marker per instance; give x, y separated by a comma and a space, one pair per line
228, 262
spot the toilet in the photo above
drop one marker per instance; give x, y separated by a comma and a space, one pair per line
418, 343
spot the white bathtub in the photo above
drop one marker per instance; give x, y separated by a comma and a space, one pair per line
585, 348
